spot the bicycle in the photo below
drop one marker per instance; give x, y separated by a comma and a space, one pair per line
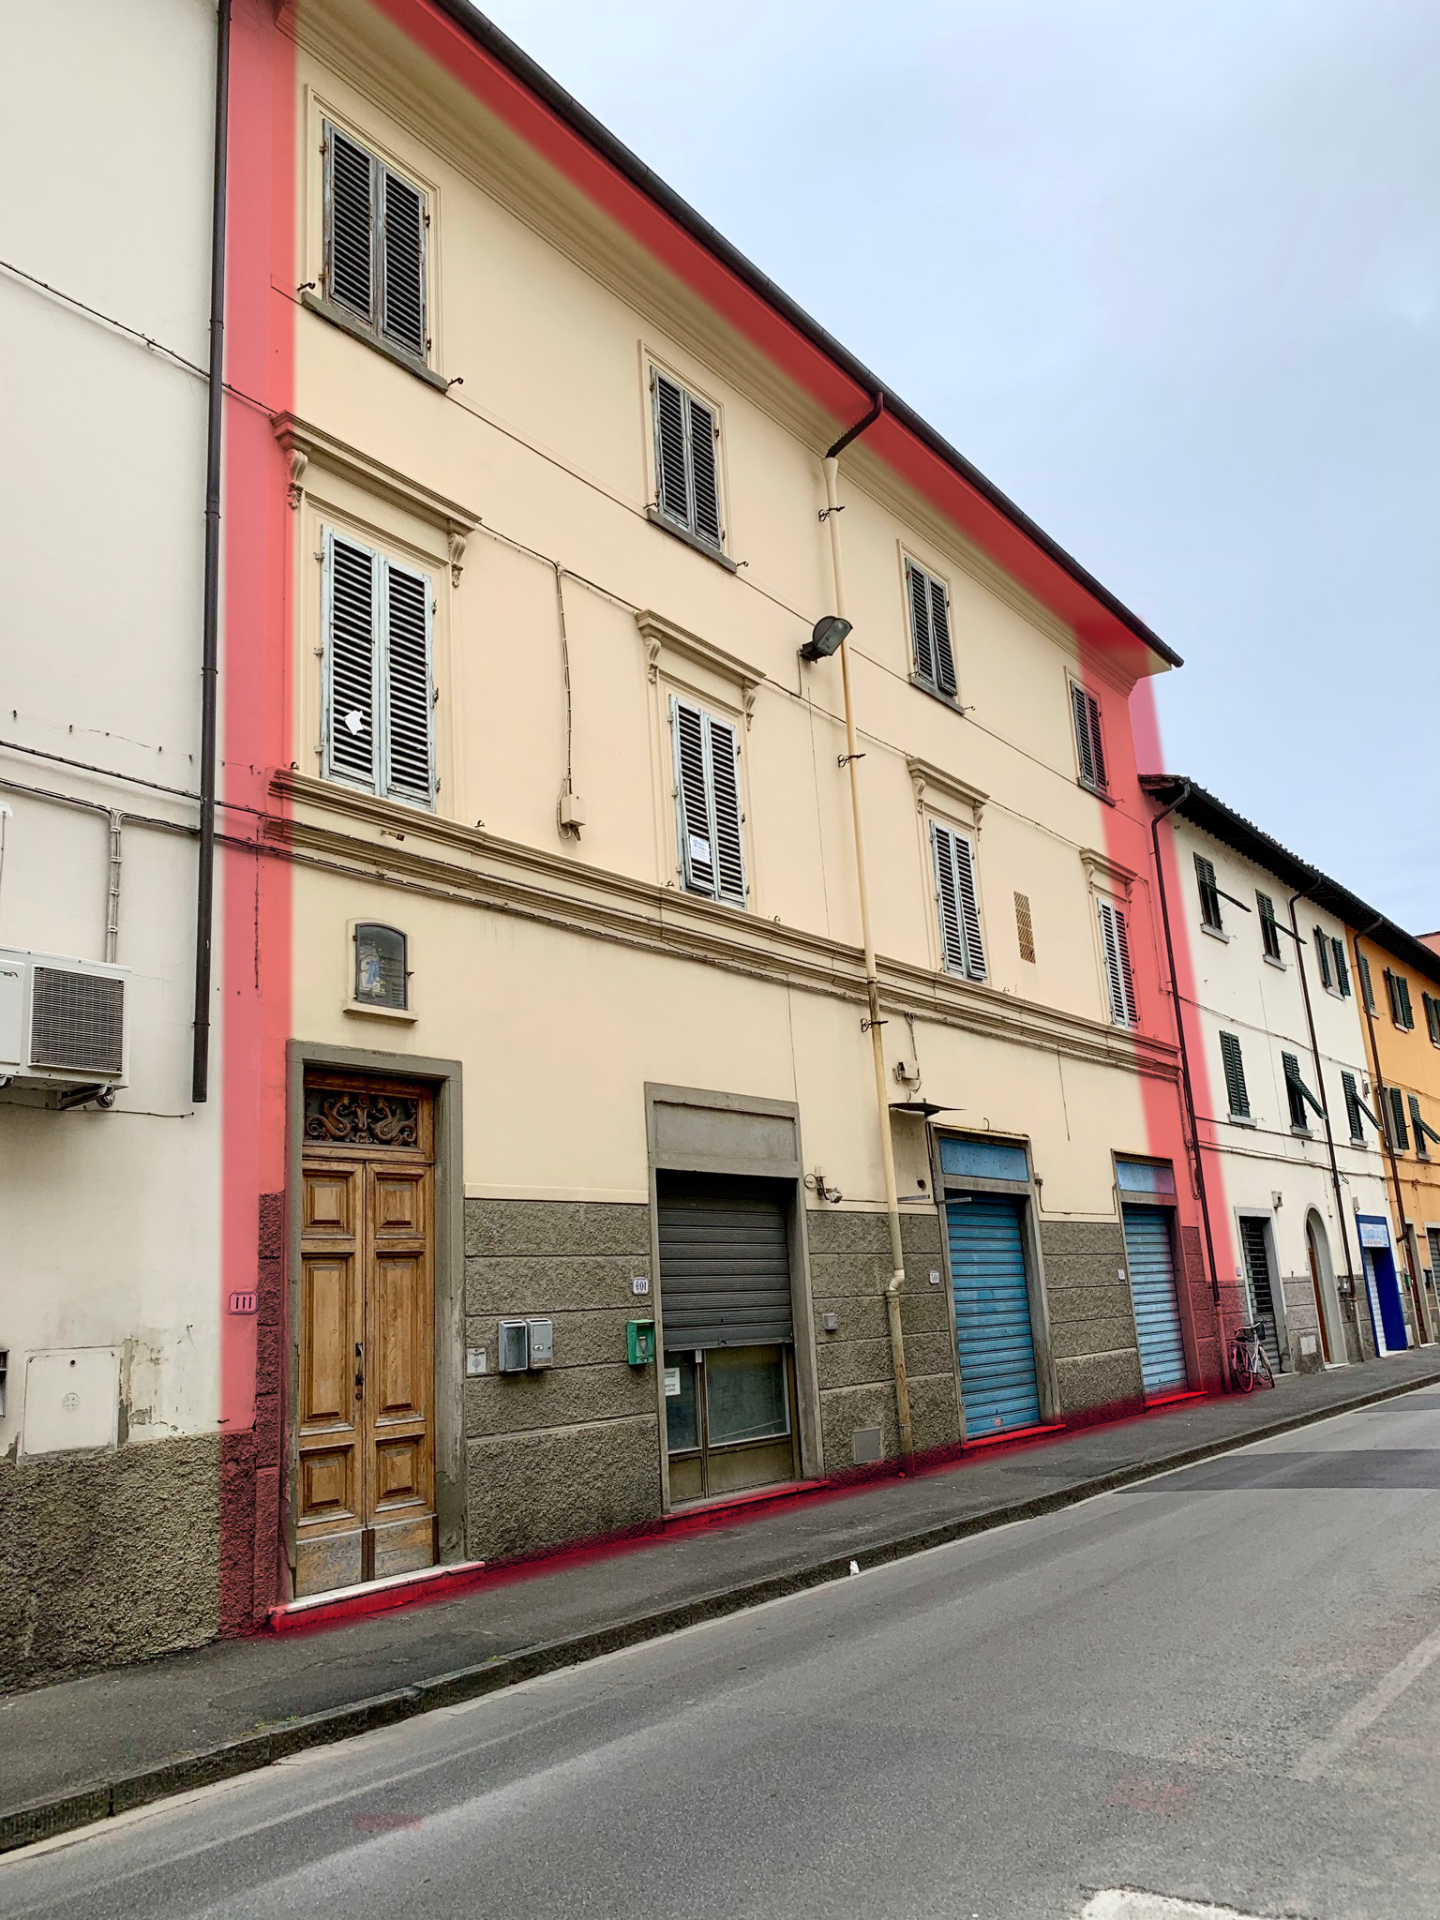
1248, 1361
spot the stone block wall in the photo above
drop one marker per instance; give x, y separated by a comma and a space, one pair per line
849, 1269
572, 1452
1092, 1322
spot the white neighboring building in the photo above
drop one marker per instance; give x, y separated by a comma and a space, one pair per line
109, 1454
1284, 1104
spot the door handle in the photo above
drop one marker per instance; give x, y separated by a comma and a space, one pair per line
359, 1371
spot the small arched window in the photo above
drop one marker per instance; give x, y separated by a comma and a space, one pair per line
381, 976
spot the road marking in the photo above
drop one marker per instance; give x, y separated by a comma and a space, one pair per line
1127, 1903
1363, 1715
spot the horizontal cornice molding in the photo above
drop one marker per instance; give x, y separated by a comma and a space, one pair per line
419, 852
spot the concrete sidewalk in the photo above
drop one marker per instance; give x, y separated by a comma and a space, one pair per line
90, 1748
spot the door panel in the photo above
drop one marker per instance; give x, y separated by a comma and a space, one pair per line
364, 1496
992, 1314
1151, 1265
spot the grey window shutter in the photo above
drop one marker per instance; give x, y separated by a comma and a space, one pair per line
350, 252
969, 906
940, 631
952, 937
692, 798
409, 699
1352, 1105
1235, 1087
920, 634
351, 611
1322, 956
705, 515
402, 256
722, 752
1084, 744
1119, 980
1342, 972
670, 464
1097, 745
1397, 1120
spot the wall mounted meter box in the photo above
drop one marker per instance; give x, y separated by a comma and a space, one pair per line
640, 1339
542, 1342
514, 1346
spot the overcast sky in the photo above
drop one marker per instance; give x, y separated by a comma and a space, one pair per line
1168, 271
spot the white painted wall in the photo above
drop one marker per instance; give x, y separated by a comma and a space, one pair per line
107, 1220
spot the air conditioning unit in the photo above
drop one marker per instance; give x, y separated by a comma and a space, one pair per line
63, 1023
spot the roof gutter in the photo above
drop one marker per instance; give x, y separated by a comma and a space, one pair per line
487, 35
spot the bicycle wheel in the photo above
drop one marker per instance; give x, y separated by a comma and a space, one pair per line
1244, 1375
1262, 1365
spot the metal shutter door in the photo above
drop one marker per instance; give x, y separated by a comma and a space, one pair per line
1377, 1318
1152, 1288
724, 1266
992, 1315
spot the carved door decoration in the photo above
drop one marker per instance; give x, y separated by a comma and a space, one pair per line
364, 1494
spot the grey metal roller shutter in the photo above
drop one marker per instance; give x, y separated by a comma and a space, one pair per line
724, 1264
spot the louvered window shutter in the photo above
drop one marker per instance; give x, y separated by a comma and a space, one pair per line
1402, 994
409, 700
705, 488
1432, 1018
1392, 995
723, 749
1322, 956
1367, 985
669, 409
969, 906
1269, 932
352, 594
1209, 893
1352, 1105
1421, 1130
1119, 980
692, 798
350, 255
1342, 972
1397, 1120
1097, 744
940, 634
1089, 745
1235, 1087
920, 634
402, 255
947, 895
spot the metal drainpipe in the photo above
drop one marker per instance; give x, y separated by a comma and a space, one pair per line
1186, 1085
1325, 1108
1417, 1286
872, 978
210, 641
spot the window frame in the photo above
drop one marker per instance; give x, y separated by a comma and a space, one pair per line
963, 957
373, 1008
381, 784
931, 583
372, 325
659, 514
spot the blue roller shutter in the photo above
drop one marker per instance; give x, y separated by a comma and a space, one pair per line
992, 1315
1157, 1309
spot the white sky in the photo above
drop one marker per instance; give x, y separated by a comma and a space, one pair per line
1168, 271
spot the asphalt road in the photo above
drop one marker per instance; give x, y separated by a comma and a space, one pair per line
1222, 1686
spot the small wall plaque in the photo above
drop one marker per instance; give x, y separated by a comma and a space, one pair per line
640, 1284
244, 1302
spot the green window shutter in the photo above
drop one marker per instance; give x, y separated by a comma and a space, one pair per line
1342, 972
1209, 893
1269, 932
1432, 1018
1352, 1105
1398, 1132
1235, 1087
1421, 1130
1322, 956
1392, 996
1367, 985
1402, 994
1291, 1065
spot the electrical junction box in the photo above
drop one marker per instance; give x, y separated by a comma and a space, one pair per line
640, 1342
72, 1400
542, 1342
514, 1346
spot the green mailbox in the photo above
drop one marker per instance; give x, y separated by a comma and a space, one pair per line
641, 1338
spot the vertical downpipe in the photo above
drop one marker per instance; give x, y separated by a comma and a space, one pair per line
872, 991
210, 641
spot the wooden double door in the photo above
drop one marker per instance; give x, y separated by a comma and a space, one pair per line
363, 1500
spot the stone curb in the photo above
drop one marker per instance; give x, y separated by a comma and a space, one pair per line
88, 1805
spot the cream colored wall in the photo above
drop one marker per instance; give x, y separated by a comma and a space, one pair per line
108, 1221
551, 319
